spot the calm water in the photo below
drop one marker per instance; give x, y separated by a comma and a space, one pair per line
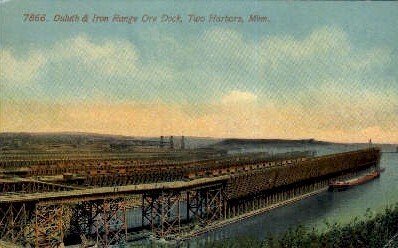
329, 206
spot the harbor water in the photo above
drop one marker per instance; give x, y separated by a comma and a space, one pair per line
327, 207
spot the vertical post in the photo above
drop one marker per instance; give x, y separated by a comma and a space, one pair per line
143, 213
187, 208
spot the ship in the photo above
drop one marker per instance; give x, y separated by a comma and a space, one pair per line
343, 185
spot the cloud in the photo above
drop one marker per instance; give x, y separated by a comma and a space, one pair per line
109, 57
81, 69
224, 85
239, 97
4, 1
221, 61
23, 70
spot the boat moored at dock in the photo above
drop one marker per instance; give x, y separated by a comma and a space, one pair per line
343, 185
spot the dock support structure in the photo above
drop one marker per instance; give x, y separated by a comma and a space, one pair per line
48, 228
100, 221
161, 211
205, 205
82, 222
32, 225
45, 224
14, 223
110, 222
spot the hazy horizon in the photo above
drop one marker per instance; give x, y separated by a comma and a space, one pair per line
178, 136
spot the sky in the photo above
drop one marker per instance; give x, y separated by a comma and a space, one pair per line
323, 70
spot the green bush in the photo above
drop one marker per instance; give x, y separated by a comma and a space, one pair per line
371, 231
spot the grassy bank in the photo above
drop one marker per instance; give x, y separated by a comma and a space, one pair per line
374, 230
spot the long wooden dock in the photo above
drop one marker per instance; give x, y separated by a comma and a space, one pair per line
213, 192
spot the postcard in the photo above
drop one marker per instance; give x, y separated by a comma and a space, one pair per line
198, 124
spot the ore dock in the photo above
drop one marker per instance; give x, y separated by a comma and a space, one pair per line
165, 192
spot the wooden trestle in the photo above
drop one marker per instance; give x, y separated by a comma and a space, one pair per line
168, 209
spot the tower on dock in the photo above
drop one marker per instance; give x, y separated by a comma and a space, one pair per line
161, 145
182, 142
171, 142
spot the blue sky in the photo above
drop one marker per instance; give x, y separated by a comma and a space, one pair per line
323, 70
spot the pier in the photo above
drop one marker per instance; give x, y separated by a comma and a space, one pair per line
92, 200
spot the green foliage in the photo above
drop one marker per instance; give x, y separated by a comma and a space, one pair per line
374, 230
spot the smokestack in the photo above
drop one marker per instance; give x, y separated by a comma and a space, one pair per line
182, 142
161, 145
171, 142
